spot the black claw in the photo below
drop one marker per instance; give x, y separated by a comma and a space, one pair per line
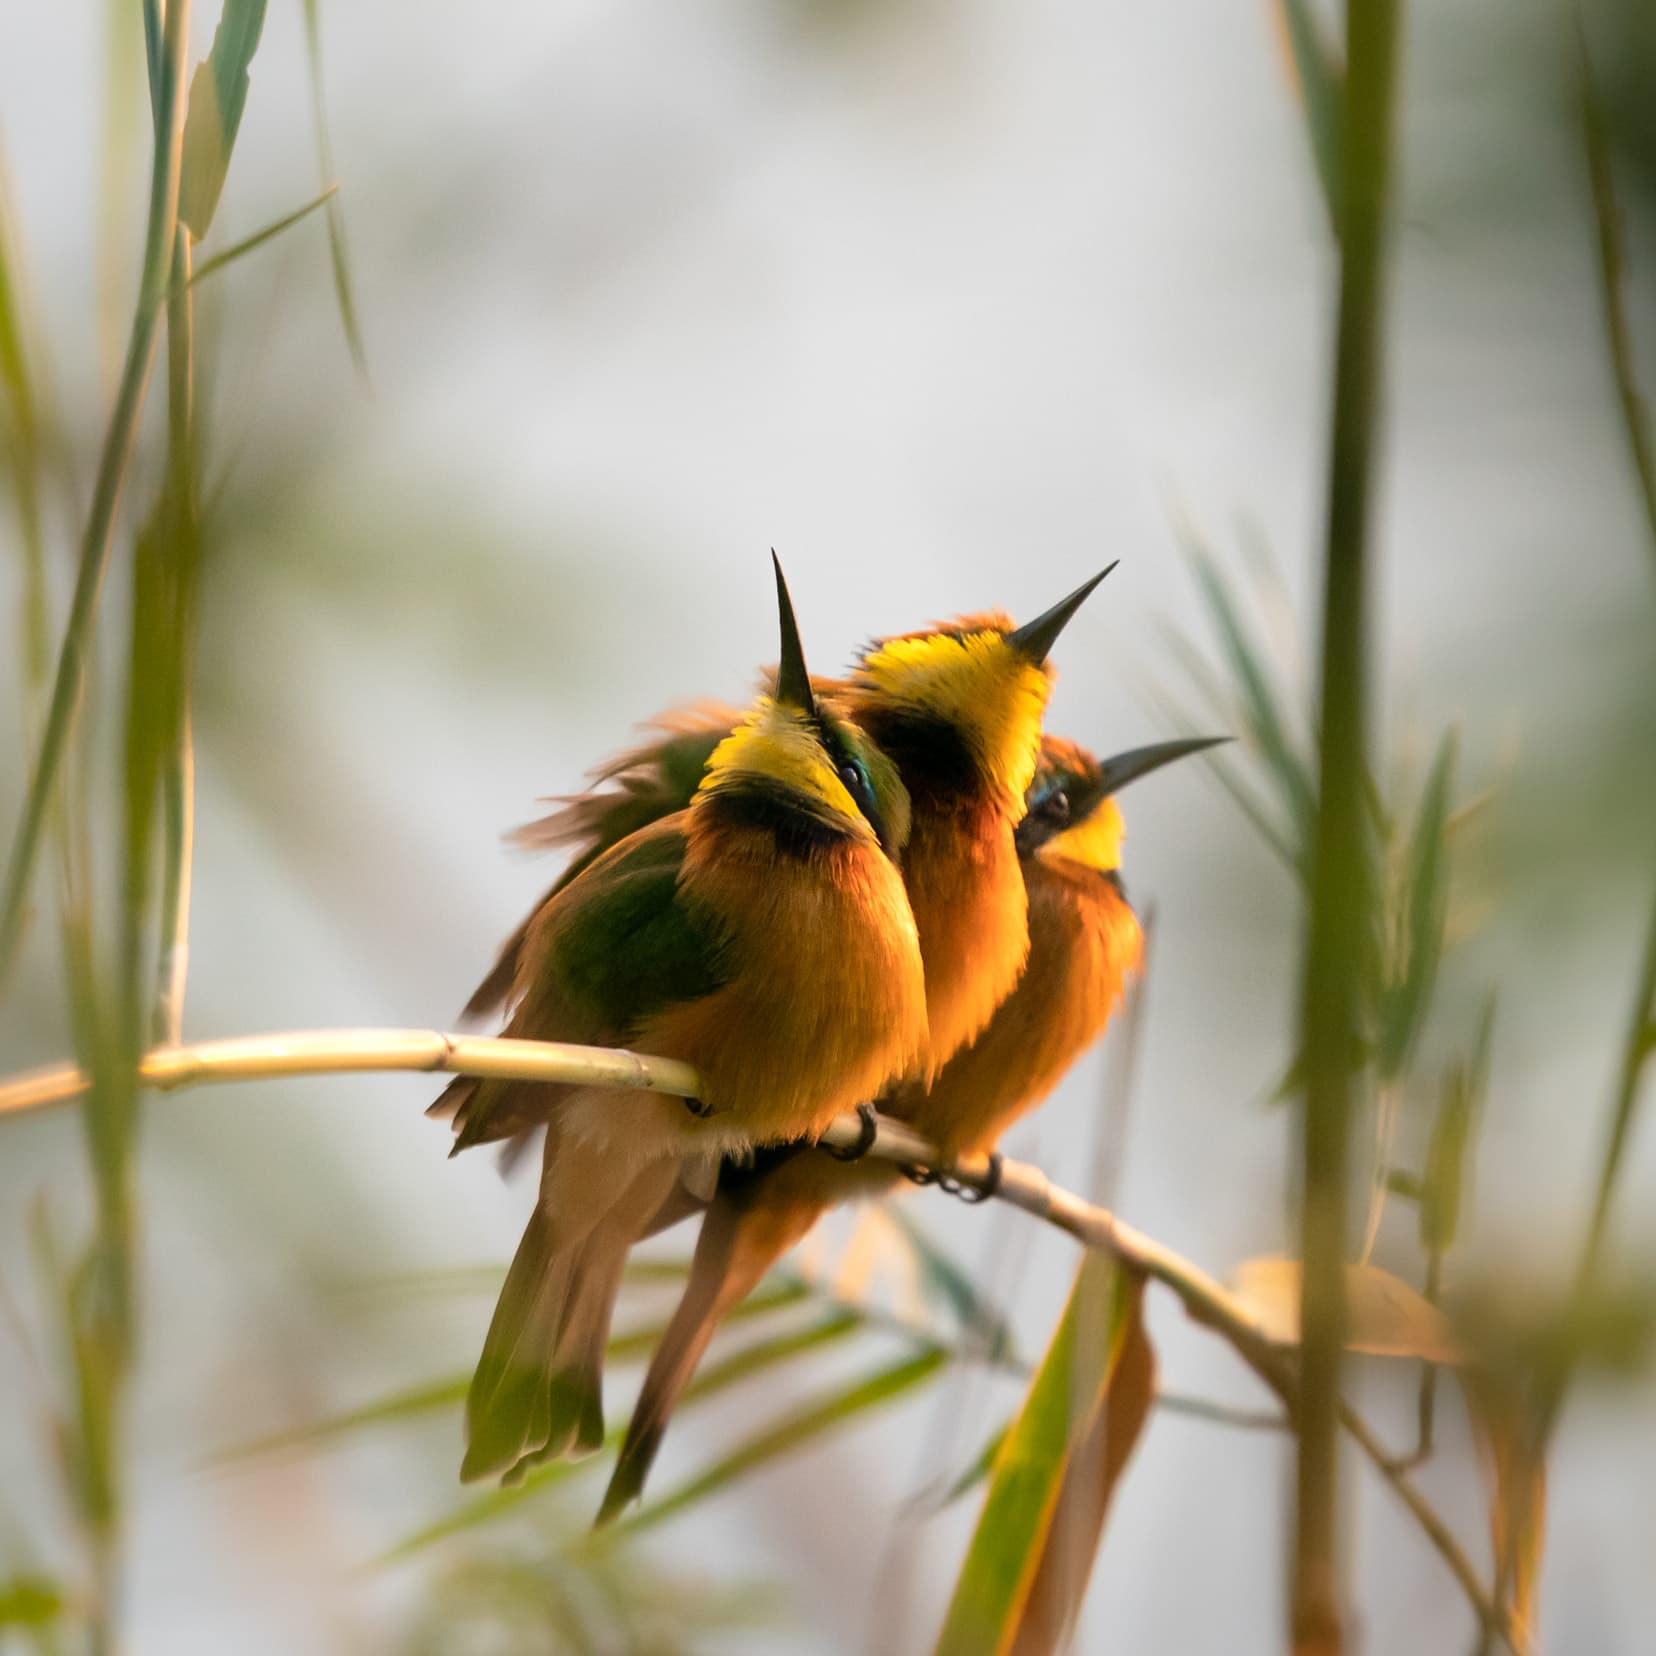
868, 1127
973, 1194
698, 1109
952, 1186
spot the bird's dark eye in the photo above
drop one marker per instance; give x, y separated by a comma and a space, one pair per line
856, 781
1058, 806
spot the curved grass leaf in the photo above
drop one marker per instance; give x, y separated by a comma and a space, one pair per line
1320, 78
1069, 1393
983, 1464
1446, 1151
449, 1391
1404, 1002
1226, 774
716, 1377
1261, 709
489, 1506
1094, 1468
947, 1282
882, 1386
338, 258
22, 447
237, 250
218, 95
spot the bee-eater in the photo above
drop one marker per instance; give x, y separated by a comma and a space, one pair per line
1085, 943
762, 936
958, 709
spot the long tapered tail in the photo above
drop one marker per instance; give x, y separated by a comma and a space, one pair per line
744, 1233
537, 1391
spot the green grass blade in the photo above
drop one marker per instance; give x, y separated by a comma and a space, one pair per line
338, 257
1261, 708
1091, 1474
764, 1354
982, 1464
1404, 1002
448, 1391
1618, 336
23, 440
882, 1386
1229, 778
410, 1403
496, 1503
116, 452
1069, 1389
238, 250
491, 1505
1321, 81
1447, 1150
945, 1281
218, 95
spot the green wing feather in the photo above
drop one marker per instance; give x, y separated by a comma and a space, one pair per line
621, 941
636, 789
616, 945
649, 783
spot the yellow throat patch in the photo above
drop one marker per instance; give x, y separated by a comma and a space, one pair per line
1093, 842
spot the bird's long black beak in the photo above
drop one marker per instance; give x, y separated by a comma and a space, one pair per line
1117, 771
793, 682
1036, 638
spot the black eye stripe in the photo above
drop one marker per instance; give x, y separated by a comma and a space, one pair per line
854, 774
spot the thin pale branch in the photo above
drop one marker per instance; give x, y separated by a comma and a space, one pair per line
340, 1052
335, 1052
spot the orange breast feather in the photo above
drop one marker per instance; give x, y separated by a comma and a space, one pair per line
1085, 942
827, 1004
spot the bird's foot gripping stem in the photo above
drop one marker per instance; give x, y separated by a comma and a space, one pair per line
868, 1124
950, 1185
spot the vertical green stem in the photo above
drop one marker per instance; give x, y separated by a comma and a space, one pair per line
1342, 876
178, 782
25, 437
112, 465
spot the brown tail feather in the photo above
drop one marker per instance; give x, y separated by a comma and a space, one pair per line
738, 1244
536, 1394
506, 1414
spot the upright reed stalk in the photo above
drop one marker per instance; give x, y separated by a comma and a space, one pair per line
1342, 879
161, 227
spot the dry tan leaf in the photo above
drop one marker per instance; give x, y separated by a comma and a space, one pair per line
1385, 1317
1515, 1470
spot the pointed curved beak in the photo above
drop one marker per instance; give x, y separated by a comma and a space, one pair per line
1117, 771
1036, 638
793, 682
